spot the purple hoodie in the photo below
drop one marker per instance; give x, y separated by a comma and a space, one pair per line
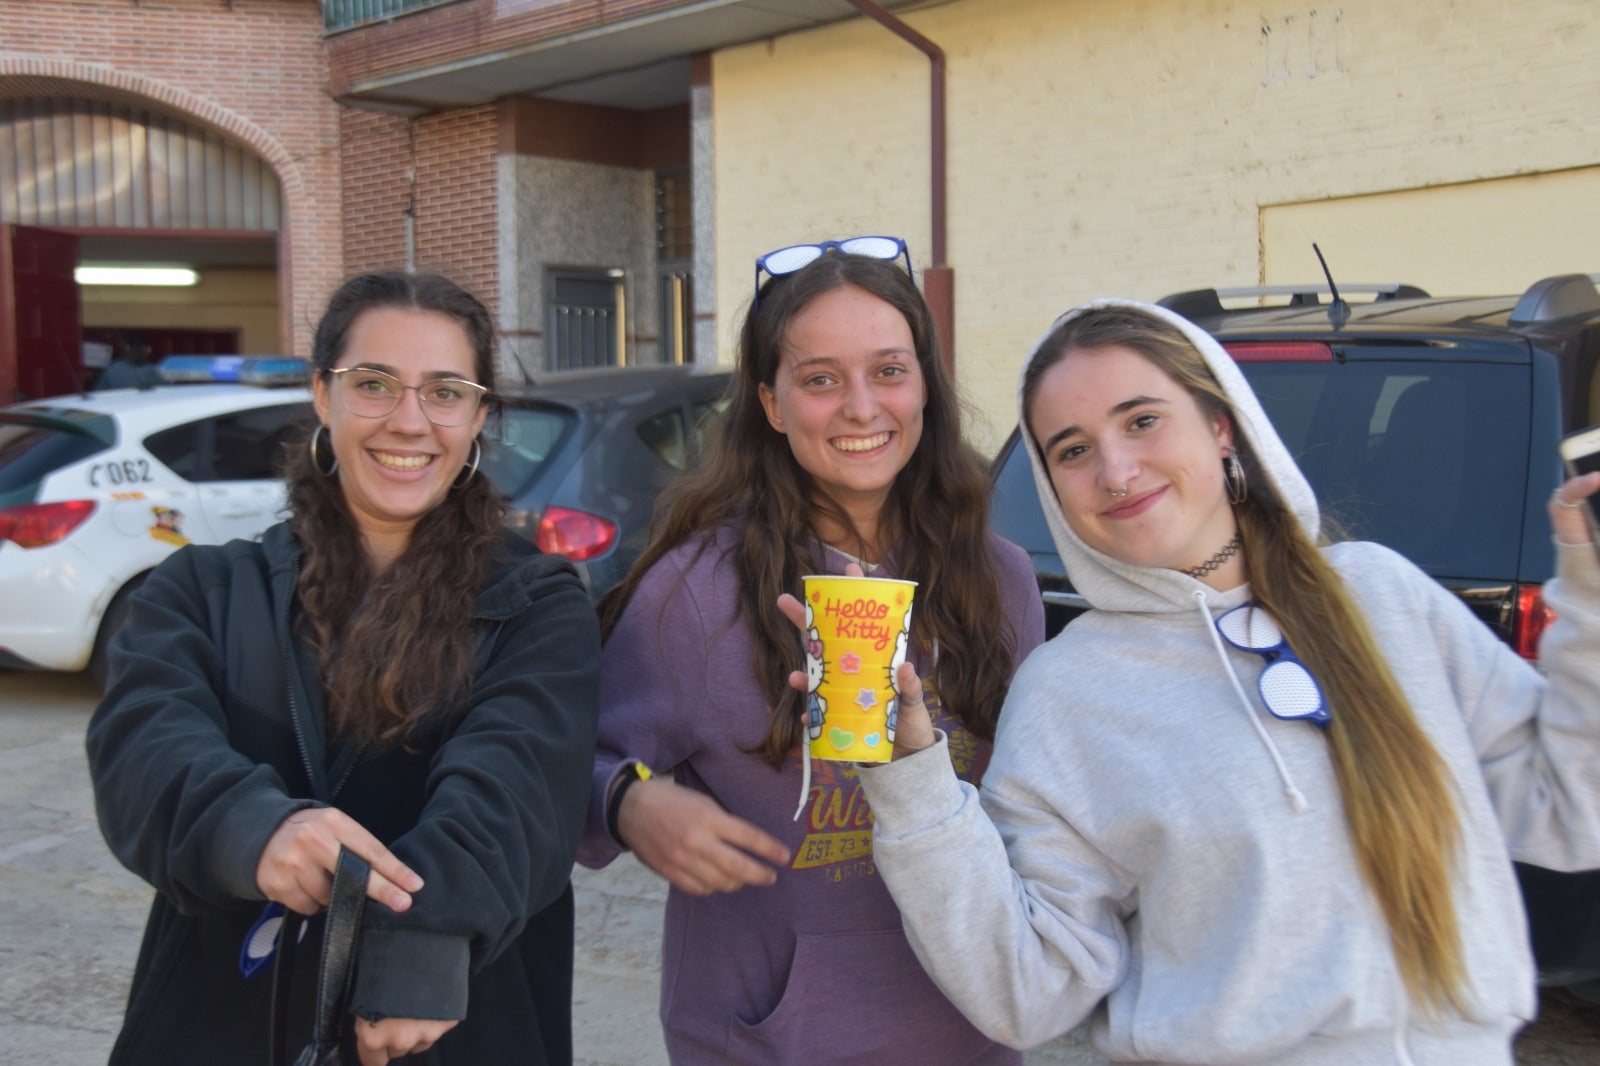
815, 968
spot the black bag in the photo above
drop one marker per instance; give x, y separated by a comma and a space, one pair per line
339, 939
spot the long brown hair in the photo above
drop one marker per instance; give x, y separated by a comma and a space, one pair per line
394, 646
1398, 799
937, 511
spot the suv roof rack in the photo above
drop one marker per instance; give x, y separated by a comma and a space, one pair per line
1197, 303
1558, 296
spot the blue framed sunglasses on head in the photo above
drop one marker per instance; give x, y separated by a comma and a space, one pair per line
798, 256
1286, 686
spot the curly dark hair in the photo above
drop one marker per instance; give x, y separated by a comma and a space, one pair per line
394, 645
936, 514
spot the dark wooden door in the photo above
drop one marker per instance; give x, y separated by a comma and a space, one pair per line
41, 333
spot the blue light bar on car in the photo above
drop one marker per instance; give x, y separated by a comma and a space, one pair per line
274, 370
266, 370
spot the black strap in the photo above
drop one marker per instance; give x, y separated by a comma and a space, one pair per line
340, 936
339, 939
282, 970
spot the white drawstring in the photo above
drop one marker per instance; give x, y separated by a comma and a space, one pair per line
1297, 799
1402, 1053
805, 775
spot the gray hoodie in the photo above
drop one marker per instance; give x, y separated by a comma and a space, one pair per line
1152, 848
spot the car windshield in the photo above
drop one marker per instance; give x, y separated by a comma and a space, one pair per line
32, 448
527, 438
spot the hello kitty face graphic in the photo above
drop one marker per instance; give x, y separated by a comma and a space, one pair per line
813, 642
901, 639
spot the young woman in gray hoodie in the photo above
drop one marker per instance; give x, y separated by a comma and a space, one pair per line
1260, 804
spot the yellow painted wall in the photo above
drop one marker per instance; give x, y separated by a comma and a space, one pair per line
1122, 147
1492, 236
225, 298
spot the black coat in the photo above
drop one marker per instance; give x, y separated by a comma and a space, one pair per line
211, 732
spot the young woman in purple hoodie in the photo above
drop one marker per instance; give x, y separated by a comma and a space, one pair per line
842, 445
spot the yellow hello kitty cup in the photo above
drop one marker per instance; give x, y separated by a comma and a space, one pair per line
856, 634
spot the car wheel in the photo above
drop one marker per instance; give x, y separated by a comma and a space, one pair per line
115, 617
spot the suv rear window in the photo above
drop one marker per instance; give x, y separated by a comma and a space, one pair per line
32, 448
1419, 455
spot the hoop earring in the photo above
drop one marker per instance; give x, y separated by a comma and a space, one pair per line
317, 466
471, 469
1233, 476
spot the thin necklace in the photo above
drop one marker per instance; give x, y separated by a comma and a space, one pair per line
1229, 550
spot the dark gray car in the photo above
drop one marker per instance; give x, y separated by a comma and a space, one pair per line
584, 454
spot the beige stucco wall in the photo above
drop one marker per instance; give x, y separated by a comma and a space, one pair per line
1106, 147
1490, 236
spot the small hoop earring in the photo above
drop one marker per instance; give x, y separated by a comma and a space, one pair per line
316, 436
472, 468
1233, 475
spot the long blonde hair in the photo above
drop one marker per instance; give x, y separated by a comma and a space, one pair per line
1398, 801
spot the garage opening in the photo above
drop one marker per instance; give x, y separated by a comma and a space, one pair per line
98, 182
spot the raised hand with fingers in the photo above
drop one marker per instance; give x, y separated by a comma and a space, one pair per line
296, 867
684, 836
1567, 506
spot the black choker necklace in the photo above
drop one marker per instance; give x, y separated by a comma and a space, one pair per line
1229, 550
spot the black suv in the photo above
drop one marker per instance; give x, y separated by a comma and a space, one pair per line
1425, 423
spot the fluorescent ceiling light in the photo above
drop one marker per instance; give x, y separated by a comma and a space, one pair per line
135, 275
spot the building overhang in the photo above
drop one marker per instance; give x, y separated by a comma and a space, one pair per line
639, 62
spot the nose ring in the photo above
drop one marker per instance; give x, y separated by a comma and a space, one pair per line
1118, 494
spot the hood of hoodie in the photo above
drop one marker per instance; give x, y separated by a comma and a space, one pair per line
1112, 585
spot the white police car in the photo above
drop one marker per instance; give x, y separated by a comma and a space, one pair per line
97, 489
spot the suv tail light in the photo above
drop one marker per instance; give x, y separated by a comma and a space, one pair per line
34, 525
575, 534
1279, 352
1532, 619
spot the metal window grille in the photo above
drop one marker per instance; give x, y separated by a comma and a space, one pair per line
674, 216
674, 263
340, 15
70, 162
587, 313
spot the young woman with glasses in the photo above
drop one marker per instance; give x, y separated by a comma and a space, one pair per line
387, 671
1259, 804
841, 446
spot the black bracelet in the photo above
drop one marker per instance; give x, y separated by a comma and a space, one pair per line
631, 775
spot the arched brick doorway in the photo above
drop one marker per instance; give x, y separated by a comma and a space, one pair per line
128, 171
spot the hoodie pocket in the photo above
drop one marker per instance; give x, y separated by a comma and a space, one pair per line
856, 998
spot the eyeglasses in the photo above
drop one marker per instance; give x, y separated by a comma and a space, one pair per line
797, 256
371, 393
1287, 687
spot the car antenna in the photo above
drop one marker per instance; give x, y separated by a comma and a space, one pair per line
1338, 311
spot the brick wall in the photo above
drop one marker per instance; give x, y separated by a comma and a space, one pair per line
252, 69
466, 29
452, 154
1099, 147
